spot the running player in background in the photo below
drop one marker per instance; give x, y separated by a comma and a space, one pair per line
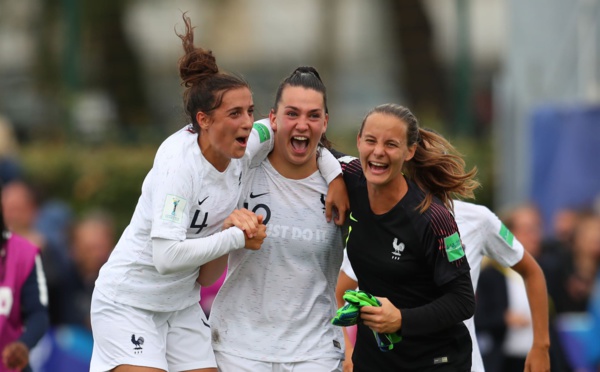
484, 235
273, 311
23, 299
405, 246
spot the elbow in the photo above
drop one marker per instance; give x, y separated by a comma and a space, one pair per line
163, 265
469, 306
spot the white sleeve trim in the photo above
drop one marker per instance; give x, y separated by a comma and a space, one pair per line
41, 280
329, 166
171, 256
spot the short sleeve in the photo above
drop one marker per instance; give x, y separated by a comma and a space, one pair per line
499, 242
260, 143
443, 247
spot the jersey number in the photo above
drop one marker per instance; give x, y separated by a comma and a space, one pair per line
261, 206
202, 225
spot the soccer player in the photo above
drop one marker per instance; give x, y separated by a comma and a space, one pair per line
23, 299
484, 235
405, 246
272, 312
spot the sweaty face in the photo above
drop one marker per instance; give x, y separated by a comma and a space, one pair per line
225, 134
383, 149
298, 123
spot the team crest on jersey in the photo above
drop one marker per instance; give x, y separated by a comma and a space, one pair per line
454, 248
398, 249
137, 344
173, 208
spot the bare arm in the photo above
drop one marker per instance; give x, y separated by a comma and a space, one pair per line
345, 283
538, 358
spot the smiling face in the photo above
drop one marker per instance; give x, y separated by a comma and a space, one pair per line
298, 123
382, 148
224, 134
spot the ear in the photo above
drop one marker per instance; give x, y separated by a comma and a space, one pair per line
358, 140
411, 152
203, 120
273, 120
325, 124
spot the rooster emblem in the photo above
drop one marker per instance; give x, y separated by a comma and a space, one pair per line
138, 343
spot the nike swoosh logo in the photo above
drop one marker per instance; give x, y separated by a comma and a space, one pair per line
252, 196
352, 217
200, 202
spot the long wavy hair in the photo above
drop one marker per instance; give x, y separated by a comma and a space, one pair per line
437, 168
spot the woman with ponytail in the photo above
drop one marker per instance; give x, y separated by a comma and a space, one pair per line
145, 308
273, 311
404, 245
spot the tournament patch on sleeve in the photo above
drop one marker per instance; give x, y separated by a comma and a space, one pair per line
506, 235
263, 131
173, 209
454, 249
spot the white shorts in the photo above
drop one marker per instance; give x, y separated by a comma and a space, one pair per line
232, 363
171, 341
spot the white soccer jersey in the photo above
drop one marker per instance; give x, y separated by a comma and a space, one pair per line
482, 234
276, 303
183, 197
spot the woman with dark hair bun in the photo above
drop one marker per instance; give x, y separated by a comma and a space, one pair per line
145, 308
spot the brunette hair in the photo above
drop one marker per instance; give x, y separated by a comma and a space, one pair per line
437, 168
306, 77
204, 84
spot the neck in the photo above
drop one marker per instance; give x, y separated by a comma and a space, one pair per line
293, 171
382, 198
211, 155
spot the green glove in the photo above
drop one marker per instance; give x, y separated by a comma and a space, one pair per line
349, 315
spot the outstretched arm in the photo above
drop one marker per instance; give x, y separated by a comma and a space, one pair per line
538, 358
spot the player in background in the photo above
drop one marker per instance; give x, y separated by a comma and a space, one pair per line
23, 299
484, 235
272, 312
405, 246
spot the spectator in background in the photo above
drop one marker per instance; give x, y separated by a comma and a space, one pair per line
23, 299
585, 258
525, 221
20, 204
92, 240
21, 208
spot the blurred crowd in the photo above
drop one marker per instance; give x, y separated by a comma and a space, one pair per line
74, 247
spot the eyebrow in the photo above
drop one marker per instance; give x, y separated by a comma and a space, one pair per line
236, 108
298, 109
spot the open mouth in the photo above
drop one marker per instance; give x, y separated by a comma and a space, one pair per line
299, 143
242, 140
378, 167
